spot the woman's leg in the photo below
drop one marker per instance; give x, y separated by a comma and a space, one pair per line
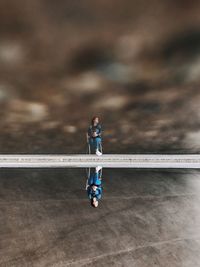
91, 178
91, 142
97, 142
96, 179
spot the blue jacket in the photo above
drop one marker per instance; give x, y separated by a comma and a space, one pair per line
96, 129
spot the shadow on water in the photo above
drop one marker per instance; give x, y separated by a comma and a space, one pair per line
94, 185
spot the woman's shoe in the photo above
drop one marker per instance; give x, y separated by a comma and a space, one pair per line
98, 153
98, 168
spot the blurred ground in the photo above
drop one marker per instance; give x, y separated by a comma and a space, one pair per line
134, 64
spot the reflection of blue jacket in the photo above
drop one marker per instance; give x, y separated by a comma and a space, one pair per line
92, 194
94, 179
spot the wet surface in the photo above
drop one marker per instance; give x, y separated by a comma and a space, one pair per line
145, 218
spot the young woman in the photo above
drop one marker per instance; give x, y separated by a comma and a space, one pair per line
94, 135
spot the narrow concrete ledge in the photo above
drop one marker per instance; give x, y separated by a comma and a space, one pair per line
107, 161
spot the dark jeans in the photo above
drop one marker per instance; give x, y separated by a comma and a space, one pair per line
95, 142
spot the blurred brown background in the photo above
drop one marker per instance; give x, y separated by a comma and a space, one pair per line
136, 64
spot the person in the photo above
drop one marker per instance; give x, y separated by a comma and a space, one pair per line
94, 188
94, 135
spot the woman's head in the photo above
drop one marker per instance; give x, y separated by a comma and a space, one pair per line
95, 120
94, 202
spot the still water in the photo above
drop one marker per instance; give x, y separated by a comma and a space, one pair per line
146, 217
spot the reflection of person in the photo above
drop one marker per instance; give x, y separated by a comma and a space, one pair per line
94, 189
94, 135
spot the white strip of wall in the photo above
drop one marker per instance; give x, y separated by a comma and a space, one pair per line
107, 161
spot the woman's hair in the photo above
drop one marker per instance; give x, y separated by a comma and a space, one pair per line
93, 119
